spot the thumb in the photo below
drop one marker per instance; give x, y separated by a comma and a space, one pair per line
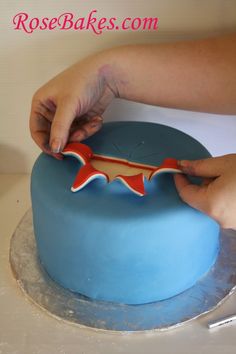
211, 167
60, 127
192, 194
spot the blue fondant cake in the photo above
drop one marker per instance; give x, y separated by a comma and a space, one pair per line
109, 244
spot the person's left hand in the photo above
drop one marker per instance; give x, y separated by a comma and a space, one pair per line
216, 196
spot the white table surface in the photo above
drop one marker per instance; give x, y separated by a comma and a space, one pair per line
25, 329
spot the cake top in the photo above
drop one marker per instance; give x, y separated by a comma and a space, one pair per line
159, 142
144, 143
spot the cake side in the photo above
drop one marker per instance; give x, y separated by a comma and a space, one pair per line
111, 245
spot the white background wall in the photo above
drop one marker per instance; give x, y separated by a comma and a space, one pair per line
28, 61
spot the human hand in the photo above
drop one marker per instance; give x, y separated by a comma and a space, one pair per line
69, 107
217, 194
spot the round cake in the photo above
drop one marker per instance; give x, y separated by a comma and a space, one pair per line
113, 243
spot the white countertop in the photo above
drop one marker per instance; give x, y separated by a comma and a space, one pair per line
25, 329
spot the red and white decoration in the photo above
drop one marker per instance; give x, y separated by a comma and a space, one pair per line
135, 183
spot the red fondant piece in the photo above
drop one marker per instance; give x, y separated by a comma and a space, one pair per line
168, 165
86, 174
135, 183
80, 151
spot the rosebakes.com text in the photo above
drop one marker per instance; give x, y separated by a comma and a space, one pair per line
91, 22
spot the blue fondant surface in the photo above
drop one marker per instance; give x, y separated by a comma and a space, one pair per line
109, 244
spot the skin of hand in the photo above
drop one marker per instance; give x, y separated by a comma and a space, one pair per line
216, 196
197, 75
69, 107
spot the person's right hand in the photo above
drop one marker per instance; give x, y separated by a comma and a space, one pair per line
217, 194
69, 107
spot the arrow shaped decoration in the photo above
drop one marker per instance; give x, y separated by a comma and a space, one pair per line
135, 183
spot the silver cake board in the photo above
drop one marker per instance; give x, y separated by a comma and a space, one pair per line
205, 296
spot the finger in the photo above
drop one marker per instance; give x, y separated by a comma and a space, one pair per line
40, 129
64, 116
40, 123
87, 129
42, 110
193, 195
78, 123
211, 167
41, 138
206, 181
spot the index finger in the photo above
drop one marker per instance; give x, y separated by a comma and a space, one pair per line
40, 126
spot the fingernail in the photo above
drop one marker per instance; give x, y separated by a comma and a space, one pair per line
95, 125
97, 119
77, 136
96, 122
56, 145
182, 163
185, 166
